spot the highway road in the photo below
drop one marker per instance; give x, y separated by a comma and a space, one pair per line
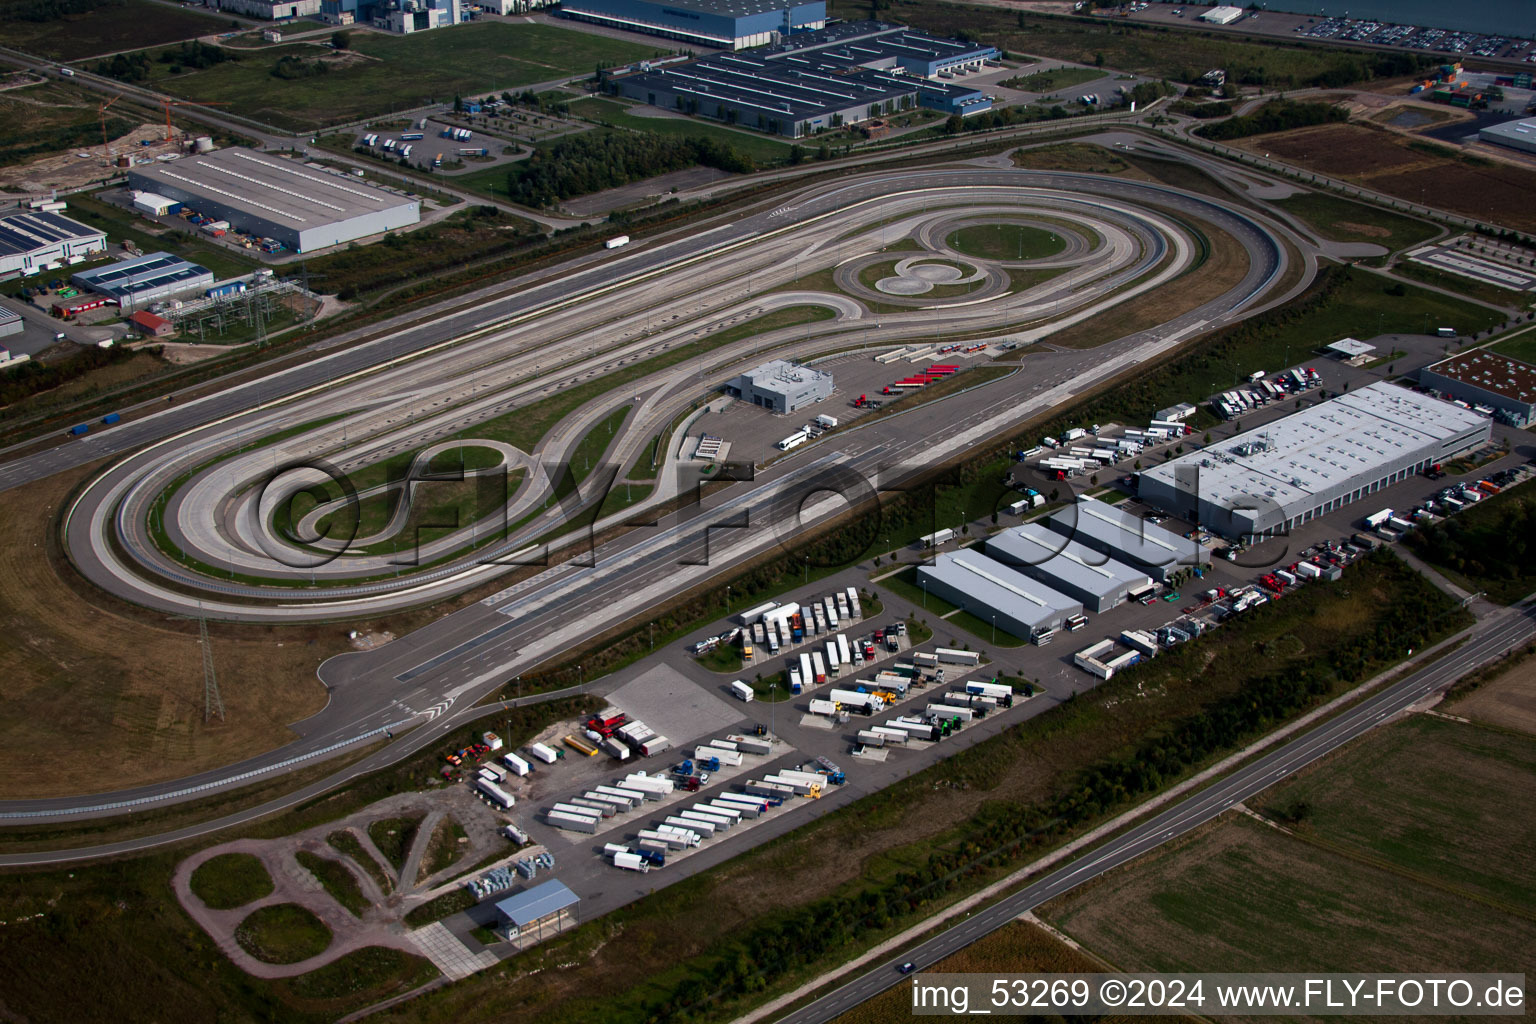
1500, 633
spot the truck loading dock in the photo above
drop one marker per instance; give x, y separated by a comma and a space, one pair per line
1083, 574
306, 207
992, 591
1286, 473
1126, 537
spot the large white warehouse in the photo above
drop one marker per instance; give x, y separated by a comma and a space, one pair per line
1270, 479
33, 239
306, 207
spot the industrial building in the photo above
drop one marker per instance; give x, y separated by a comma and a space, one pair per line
134, 284
271, 10
842, 75
781, 386
1089, 577
153, 326
1118, 534
1519, 135
1484, 378
1265, 481
995, 593
402, 16
1222, 15
535, 914
304, 206
721, 24
42, 240
10, 322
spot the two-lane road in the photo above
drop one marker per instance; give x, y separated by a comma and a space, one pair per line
1489, 640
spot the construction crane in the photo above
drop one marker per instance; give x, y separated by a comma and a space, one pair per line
101, 112
168, 104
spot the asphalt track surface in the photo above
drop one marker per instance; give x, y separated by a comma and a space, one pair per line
434, 676
154, 467
1502, 633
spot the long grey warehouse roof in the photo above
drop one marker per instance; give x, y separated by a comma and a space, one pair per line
540, 901
273, 188
995, 585
1130, 536
1321, 446
1075, 564
23, 232
731, 8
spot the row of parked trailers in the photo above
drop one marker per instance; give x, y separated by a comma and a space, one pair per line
583, 813
775, 625
917, 381
1262, 390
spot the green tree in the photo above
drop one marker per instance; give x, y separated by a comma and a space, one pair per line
341, 40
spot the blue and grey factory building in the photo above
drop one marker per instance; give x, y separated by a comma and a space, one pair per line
840, 75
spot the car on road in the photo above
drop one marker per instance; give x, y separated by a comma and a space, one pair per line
906, 968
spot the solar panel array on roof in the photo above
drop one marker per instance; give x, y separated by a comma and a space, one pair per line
35, 237
140, 281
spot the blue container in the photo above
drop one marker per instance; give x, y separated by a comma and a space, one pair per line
111, 418
79, 429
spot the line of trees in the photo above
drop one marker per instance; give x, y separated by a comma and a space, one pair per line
1490, 543
33, 377
592, 161
52, 10
1274, 116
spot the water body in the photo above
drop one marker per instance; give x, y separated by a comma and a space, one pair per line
1515, 18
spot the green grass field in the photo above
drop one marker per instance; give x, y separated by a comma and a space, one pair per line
1482, 291
1050, 81
283, 933
1157, 52
383, 74
52, 117
336, 879
760, 147
230, 880
1344, 221
1519, 345
1006, 242
1409, 850
393, 838
110, 29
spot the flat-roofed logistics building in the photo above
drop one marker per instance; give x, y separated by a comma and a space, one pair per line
1505, 385
136, 283
1265, 481
1513, 134
304, 206
1083, 574
1222, 15
723, 24
837, 76
993, 592
10, 322
782, 386
30, 241
1112, 531
537, 913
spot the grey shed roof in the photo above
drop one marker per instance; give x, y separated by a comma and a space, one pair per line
1067, 560
1129, 535
540, 901
997, 586
1351, 347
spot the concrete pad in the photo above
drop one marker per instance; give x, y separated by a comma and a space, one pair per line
677, 707
450, 955
875, 754
809, 721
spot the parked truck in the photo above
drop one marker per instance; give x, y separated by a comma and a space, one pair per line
516, 765
615, 243
741, 690
498, 796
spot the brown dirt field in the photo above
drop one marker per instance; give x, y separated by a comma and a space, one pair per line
1018, 948
1346, 150
1238, 895
1382, 160
66, 170
1508, 701
127, 686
